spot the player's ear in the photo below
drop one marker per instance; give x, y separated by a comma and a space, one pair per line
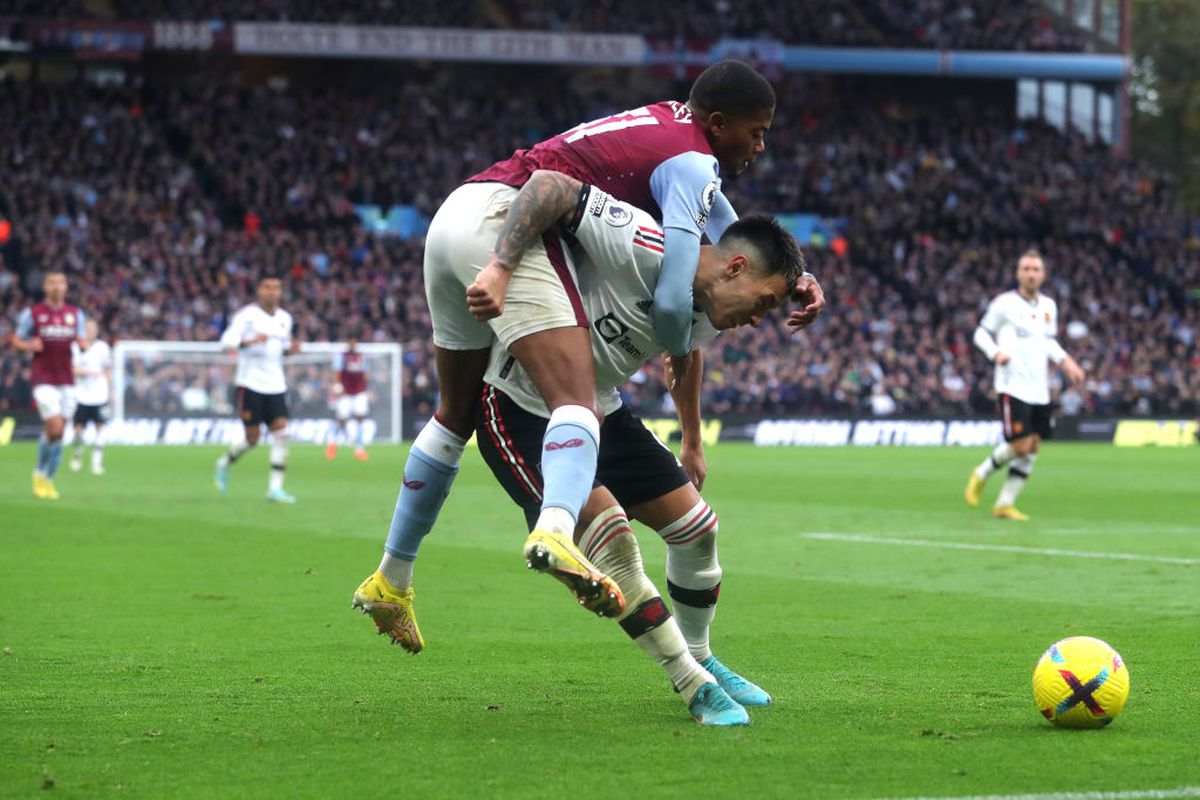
736, 265
717, 121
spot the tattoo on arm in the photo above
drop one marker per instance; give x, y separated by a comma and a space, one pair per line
545, 199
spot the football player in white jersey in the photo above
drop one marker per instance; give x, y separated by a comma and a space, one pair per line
738, 281
92, 360
260, 334
1018, 333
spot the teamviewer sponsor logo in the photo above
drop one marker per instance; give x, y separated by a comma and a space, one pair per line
610, 328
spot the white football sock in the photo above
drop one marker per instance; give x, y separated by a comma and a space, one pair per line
236, 451
1018, 472
610, 544
998, 458
279, 454
694, 574
398, 571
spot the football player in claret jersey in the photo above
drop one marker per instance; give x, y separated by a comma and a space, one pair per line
48, 330
665, 157
1019, 334
350, 399
260, 334
93, 361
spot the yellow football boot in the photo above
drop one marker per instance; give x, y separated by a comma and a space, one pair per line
974, 490
39, 484
392, 611
1009, 512
556, 555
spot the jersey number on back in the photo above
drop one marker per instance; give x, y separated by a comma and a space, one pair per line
617, 122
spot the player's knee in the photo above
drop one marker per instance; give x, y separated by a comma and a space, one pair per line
54, 429
457, 415
252, 435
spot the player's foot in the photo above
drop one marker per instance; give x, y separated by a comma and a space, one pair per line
360, 454
974, 490
280, 496
558, 556
48, 490
97, 469
221, 478
738, 688
713, 706
331, 451
392, 611
76, 465
39, 486
1009, 512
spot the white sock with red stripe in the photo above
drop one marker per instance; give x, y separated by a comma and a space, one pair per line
998, 458
610, 544
694, 574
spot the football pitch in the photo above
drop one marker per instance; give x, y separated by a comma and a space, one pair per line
160, 640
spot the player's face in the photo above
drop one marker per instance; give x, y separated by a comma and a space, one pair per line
269, 292
1031, 274
737, 141
93, 330
743, 296
55, 287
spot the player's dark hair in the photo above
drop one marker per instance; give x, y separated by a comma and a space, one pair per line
732, 87
776, 250
268, 276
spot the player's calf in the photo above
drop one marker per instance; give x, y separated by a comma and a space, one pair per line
610, 542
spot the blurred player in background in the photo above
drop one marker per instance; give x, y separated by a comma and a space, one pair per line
93, 361
260, 334
665, 157
48, 330
1019, 334
350, 400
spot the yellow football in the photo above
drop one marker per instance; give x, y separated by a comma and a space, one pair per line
1080, 682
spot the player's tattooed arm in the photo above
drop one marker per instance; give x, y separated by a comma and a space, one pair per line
546, 199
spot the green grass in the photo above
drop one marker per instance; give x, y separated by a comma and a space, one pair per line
159, 640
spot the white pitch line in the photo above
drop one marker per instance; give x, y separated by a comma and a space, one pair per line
863, 538
1134, 794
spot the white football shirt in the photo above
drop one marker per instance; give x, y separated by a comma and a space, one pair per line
619, 257
1027, 332
92, 389
260, 366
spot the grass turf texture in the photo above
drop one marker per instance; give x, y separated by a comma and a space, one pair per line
160, 640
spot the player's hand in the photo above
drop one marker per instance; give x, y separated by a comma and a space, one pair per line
257, 338
295, 348
694, 464
485, 295
36, 345
809, 292
1002, 358
1074, 372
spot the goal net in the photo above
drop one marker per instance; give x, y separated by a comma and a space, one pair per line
183, 393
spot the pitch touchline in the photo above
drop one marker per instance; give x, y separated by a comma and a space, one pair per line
1134, 794
997, 548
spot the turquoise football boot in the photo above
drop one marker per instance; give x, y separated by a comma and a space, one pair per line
280, 496
740, 689
221, 478
712, 706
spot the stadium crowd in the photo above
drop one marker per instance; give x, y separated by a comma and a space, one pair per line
164, 203
963, 24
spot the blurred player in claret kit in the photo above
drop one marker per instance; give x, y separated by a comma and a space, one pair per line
93, 361
1019, 334
350, 400
666, 158
48, 330
260, 334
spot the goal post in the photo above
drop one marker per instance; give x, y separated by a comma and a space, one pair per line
183, 392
